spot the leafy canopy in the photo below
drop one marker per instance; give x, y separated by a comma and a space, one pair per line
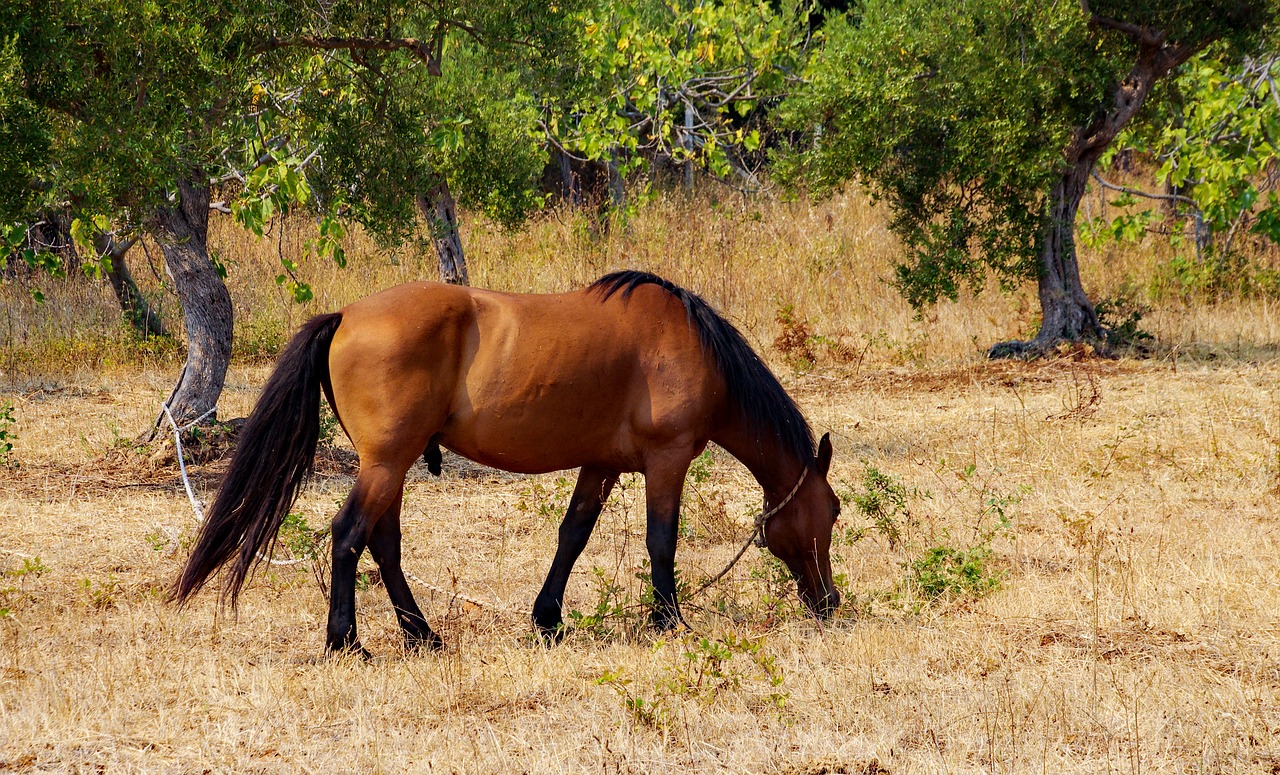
107, 104
957, 115
649, 65
1217, 145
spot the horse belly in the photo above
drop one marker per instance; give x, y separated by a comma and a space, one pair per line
543, 424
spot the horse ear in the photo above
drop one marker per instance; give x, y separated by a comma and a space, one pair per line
824, 454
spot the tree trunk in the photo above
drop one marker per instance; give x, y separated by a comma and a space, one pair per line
182, 231
1066, 312
570, 181
688, 146
146, 323
441, 213
617, 183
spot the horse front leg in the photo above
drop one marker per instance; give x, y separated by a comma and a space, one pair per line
585, 505
663, 489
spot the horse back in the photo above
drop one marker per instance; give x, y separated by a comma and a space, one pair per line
523, 382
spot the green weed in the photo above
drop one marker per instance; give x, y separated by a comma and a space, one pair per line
613, 607
102, 595
302, 540
955, 573
7, 436
884, 501
13, 596
157, 540
700, 469
546, 502
707, 668
945, 572
31, 566
329, 425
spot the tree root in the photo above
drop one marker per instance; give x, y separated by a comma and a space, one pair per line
1037, 349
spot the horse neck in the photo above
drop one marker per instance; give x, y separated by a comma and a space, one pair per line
776, 469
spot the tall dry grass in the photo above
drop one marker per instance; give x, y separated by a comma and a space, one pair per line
1133, 628
828, 262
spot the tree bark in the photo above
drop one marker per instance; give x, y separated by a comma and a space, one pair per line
617, 183
146, 323
441, 213
1066, 312
182, 231
570, 181
688, 146
1065, 309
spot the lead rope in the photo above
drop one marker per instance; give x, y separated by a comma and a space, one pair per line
757, 533
756, 537
196, 507
454, 594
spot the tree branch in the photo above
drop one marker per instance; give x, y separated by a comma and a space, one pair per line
415, 47
1186, 200
1144, 35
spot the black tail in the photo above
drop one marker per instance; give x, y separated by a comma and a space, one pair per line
273, 457
758, 393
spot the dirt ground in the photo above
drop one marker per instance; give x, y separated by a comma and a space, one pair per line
1065, 566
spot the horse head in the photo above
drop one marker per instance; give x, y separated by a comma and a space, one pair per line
800, 534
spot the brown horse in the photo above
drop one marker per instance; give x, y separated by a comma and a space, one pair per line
631, 374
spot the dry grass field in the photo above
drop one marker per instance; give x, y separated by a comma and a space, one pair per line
1070, 565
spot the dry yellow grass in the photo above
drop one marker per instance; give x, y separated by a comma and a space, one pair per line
1134, 628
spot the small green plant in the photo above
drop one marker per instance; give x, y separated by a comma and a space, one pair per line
612, 605
547, 502
946, 572
885, 501
102, 594
157, 540
700, 468
31, 566
645, 577
329, 425
707, 668
300, 538
954, 573
776, 579
7, 436
13, 596
710, 668
119, 440
1121, 316
654, 713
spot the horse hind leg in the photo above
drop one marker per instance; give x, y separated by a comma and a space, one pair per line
384, 545
580, 518
376, 491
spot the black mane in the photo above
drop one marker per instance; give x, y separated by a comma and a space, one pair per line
757, 392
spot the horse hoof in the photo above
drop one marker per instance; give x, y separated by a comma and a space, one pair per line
423, 643
352, 649
663, 621
551, 634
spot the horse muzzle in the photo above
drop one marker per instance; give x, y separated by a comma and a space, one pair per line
822, 606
